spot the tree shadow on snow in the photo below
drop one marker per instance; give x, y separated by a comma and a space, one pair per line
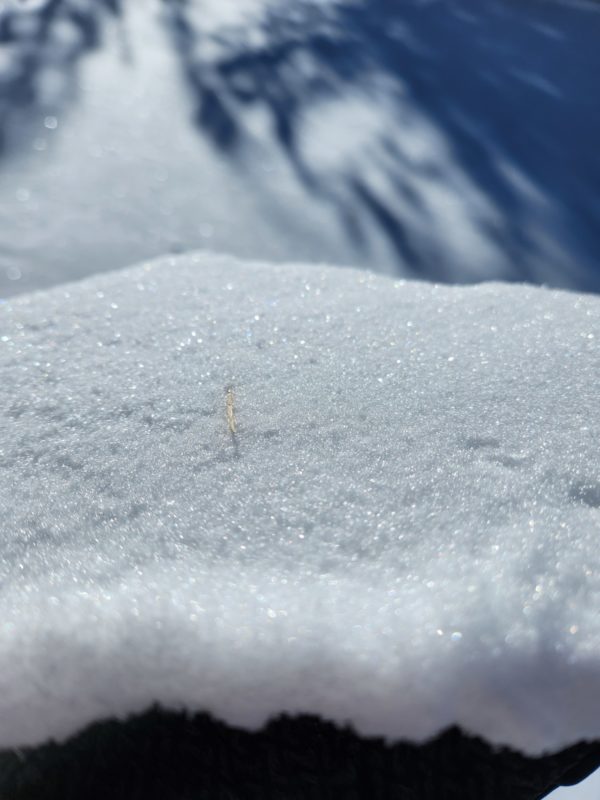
39, 53
464, 133
489, 139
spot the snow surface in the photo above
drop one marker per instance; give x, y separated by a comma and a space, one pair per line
454, 140
402, 533
586, 790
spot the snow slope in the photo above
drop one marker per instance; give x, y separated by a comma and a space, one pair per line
454, 140
401, 533
587, 790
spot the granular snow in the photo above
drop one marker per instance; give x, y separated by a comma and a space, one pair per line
401, 533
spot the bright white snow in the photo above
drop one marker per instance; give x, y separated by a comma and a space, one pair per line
403, 533
587, 790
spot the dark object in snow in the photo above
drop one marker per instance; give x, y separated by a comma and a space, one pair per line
164, 755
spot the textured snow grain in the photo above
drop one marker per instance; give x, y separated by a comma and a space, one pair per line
402, 533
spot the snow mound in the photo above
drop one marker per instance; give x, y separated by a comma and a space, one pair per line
401, 533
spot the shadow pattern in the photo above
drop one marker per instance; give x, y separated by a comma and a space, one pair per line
40, 48
510, 88
487, 120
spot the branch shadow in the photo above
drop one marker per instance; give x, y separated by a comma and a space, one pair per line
487, 140
462, 133
40, 50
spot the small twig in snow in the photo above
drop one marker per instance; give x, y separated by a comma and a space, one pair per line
231, 421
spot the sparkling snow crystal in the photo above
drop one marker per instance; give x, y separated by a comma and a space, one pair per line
250, 489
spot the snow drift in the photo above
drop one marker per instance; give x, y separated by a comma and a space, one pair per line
402, 533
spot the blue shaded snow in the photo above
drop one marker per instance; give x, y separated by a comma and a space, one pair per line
453, 141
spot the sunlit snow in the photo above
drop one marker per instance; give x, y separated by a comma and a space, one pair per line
587, 790
402, 532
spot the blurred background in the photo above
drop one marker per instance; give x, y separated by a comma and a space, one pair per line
446, 140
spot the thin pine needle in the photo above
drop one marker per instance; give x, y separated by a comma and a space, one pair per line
229, 404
